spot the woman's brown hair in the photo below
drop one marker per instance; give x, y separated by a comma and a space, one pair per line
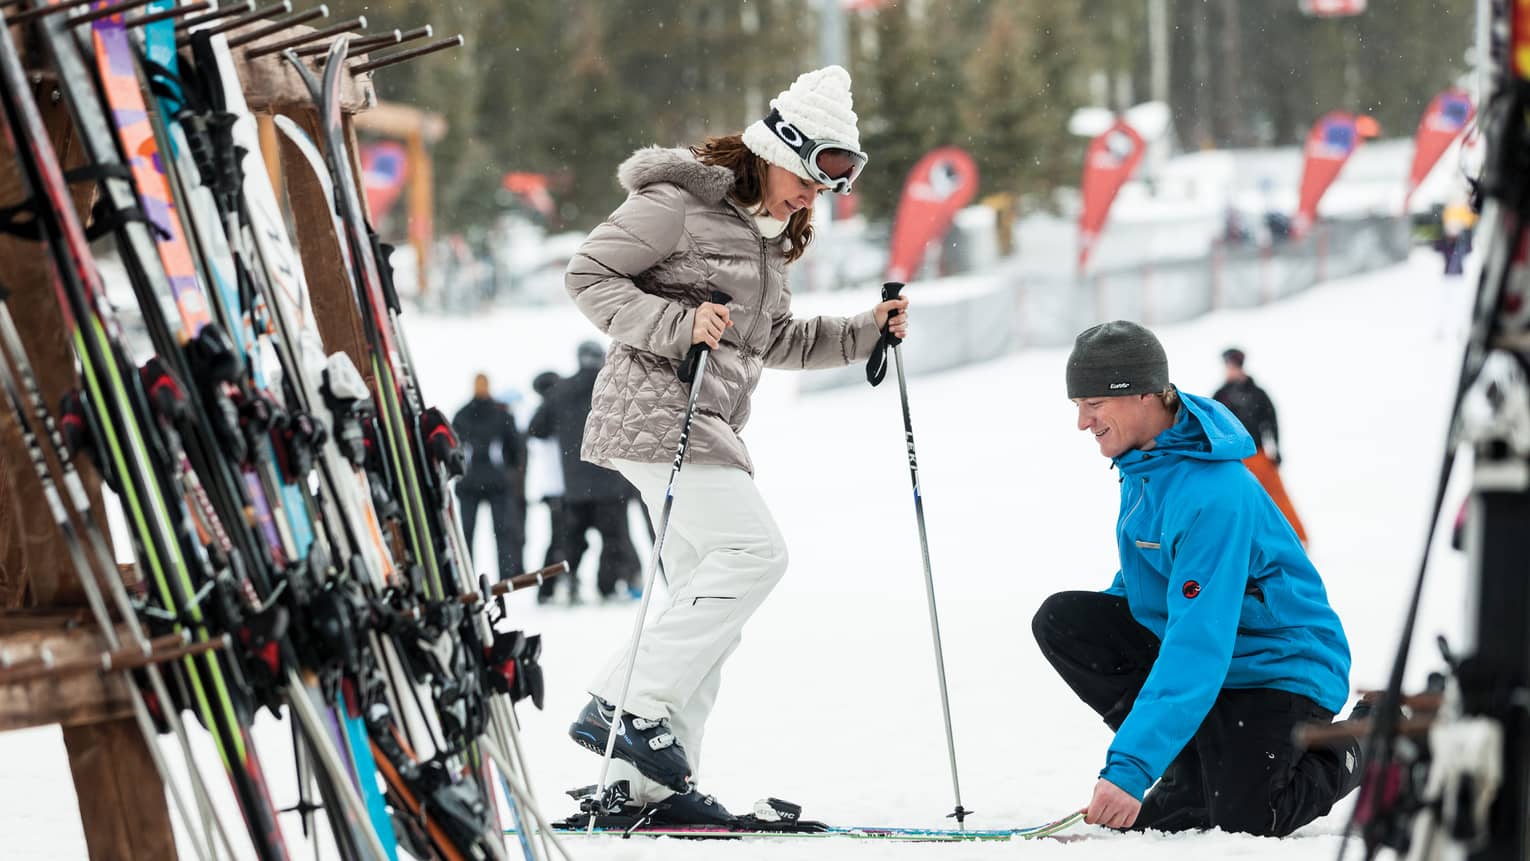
749, 172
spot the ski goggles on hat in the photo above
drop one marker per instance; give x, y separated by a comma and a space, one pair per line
833, 164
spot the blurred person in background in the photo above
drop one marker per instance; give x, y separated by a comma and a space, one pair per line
1256, 411
593, 497
728, 215
1215, 640
544, 483
1455, 242
495, 474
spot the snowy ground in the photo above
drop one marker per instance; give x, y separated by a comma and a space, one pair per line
831, 701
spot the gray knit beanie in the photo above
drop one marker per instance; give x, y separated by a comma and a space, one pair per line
1116, 358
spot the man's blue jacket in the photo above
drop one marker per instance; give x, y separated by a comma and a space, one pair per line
1212, 568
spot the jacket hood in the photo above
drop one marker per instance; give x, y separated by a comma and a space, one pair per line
1204, 430
651, 165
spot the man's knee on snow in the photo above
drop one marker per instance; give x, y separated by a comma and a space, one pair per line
1049, 618
1249, 818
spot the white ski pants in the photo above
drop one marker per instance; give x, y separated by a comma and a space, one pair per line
722, 554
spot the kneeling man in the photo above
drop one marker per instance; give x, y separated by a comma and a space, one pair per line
1216, 638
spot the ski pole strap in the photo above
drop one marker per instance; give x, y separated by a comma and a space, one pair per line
20, 220
104, 218
876, 365
687, 370
383, 253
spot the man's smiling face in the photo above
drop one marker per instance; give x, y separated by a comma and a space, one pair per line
1120, 424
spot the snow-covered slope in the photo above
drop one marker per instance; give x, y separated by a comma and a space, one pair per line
831, 700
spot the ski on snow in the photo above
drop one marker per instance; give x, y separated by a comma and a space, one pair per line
817, 830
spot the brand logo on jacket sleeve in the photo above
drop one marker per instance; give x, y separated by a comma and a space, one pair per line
1191, 589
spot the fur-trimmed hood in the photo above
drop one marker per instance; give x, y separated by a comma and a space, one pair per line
651, 165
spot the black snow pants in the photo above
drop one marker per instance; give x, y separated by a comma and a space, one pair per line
1241, 771
618, 558
508, 516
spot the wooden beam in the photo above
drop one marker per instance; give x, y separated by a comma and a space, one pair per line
76, 699
270, 150
121, 803
271, 85
393, 120
422, 209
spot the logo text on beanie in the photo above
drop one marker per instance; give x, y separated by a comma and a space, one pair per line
1120, 385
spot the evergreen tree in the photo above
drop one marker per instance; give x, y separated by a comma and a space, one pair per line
907, 101
1008, 133
569, 89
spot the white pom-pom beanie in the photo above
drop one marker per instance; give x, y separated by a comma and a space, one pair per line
818, 103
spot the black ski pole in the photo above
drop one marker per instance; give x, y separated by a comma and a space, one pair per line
876, 368
692, 371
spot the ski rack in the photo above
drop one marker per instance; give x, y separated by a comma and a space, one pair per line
56, 667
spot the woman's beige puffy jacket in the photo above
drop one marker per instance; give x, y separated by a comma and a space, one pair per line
639, 277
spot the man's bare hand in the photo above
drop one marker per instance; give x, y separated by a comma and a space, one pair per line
1111, 806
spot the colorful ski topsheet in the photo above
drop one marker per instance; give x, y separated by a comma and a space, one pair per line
910, 835
131, 117
364, 772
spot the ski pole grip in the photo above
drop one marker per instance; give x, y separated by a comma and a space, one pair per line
382, 253
876, 364
687, 370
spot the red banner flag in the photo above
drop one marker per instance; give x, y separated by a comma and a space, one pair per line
1332, 8
1444, 119
940, 184
1108, 164
1329, 145
532, 187
384, 167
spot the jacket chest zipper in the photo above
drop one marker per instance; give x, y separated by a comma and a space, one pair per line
1131, 582
748, 346
1141, 495
764, 284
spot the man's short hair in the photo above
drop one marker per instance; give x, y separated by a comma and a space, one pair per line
1170, 398
1233, 356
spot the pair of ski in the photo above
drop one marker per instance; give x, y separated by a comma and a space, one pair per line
808, 830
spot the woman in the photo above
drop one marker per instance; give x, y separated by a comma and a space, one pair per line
727, 215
